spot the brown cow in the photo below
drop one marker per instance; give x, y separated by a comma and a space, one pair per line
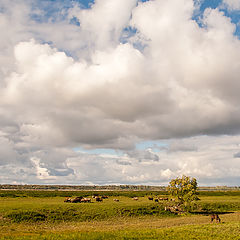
67, 199
173, 209
216, 217
98, 199
116, 200
86, 200
76, 199
104, 197
135, 198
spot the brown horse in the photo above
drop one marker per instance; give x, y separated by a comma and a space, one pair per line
216, 217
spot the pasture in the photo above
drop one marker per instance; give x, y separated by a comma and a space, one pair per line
45, 215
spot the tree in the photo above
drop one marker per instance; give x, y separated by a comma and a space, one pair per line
183, 190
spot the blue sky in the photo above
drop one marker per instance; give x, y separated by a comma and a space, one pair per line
116, 92
57, 9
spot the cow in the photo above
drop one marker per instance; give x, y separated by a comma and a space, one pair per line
173, 209
135, 198
67, 199
76, 199
98, 199
150, 198
156, 200
216, 217
104, 197
86, 200
116, 200
95, 195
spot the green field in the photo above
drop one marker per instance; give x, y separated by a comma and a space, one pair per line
45, 215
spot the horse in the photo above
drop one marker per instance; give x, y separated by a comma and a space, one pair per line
216, 217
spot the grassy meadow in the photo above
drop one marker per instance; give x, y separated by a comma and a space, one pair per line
45, 215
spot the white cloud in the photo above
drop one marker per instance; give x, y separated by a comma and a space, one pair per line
64, 86
104, 22
232, 4
42, 173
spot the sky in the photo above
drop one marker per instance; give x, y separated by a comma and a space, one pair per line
119, 91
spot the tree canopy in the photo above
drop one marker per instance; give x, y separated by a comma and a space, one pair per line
183, 190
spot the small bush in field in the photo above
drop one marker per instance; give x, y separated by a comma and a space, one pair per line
26, 216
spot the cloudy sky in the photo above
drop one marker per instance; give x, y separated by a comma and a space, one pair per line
119, 91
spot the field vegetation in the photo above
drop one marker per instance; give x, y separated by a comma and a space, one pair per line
45, 215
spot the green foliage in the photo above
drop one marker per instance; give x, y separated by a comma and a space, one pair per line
219, 207
183, 190
26, 216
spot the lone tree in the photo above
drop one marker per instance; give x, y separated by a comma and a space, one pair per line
183, 190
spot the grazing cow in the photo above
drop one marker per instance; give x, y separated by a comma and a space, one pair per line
98, 199
174, 209
150, 198
86, 200
76, 199
216, 217
135, 198
156, 200
104, 197
67, 199
116, 200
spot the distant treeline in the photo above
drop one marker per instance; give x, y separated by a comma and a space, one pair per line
105, 188
84, 188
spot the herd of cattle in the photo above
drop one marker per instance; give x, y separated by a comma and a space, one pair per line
84, 199
100, 199
174, 209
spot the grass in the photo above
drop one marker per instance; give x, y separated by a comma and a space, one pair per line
188, 228
50, 218
56, 193
54, 209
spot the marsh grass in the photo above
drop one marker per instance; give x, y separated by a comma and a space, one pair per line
54, 209
56, 193
200, 232
50, 218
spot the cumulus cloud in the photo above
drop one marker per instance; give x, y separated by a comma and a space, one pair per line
151, 73
232, 4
